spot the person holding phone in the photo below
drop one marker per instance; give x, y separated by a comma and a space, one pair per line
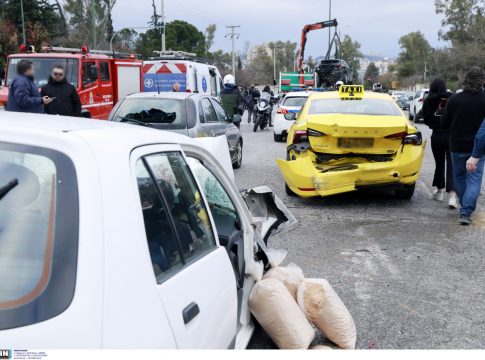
65, 99
23, 94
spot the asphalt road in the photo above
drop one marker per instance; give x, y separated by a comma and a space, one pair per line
410, 275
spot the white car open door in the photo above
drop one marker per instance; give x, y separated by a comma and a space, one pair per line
194, 276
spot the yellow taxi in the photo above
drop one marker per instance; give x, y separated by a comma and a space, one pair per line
346, 140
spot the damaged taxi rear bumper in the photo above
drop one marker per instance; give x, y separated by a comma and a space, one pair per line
306, 178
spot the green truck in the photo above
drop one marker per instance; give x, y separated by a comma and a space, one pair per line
291, 81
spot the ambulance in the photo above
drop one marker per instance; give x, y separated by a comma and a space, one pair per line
100, 77
192, 74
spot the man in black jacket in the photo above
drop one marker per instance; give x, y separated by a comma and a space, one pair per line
463, 116
66, 100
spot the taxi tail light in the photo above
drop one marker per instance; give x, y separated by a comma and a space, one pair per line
282, 111
407, 139
413, 139
299, 136
315, 133
397, 136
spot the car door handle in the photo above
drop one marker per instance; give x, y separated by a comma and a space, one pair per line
190, 312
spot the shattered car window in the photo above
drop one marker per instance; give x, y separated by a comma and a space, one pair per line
217, 197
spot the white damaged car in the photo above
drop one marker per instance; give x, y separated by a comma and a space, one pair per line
118, 236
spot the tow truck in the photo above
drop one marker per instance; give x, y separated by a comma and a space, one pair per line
101, 77
291, 81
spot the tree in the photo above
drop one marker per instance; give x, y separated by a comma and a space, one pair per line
371, 74
37, 35
416, 52
9, 40
210, 32
90, 22
48, 13
126, 40
311, 64
464, 27
261, 65
222, 60
183, 36
180, 36
463, 20
351, 54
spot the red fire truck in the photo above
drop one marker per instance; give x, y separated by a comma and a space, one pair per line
101, 77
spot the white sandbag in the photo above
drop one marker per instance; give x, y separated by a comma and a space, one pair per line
321, 347
276, 256
291, 276
279, 315
327, 312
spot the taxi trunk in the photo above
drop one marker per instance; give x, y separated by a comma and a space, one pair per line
339, 134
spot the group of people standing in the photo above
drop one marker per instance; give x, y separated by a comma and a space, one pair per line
57, 97
458, 141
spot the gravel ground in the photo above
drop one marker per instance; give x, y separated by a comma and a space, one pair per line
410, 275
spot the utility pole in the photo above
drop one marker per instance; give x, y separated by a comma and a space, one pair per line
329, 18
274, 65
425, 70
233, 37
162, 19
23, 21
93, 21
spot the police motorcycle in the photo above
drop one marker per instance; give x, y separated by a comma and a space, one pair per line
263, 109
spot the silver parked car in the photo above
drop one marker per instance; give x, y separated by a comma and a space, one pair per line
194, 115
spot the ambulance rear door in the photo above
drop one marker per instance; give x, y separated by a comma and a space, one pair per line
160, 75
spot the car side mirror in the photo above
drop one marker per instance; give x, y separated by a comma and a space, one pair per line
236, 119
291, 116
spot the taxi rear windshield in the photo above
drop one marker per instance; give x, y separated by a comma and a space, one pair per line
354, 107
38, 234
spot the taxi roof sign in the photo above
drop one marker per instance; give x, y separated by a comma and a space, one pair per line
351, 92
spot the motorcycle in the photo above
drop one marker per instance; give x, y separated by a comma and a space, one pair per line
263, 110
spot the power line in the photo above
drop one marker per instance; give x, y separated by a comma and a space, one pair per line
233, 37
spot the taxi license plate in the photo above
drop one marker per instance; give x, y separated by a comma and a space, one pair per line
350, 143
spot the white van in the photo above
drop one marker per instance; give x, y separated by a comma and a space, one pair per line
159, 74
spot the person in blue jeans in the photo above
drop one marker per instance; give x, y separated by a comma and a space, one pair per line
464, 115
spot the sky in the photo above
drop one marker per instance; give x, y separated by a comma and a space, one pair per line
376, 24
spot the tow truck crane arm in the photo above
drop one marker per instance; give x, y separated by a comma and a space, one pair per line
304, 33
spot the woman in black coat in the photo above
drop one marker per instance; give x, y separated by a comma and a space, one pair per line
433, 109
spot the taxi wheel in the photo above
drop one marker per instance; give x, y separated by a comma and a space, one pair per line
406, 192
